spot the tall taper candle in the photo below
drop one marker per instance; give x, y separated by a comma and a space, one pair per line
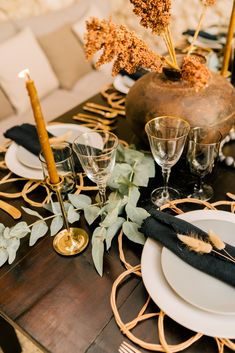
41, 127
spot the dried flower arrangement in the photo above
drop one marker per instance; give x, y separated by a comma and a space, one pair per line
130, 53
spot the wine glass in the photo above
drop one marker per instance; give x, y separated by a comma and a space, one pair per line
203, 150
96, 151
167, 136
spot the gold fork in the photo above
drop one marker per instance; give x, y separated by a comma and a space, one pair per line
127, 348
109, 115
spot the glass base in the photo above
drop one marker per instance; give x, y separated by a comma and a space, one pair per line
159, 199
204, 194
70, 244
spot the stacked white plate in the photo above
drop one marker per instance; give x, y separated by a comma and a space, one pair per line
192, 298
26, 164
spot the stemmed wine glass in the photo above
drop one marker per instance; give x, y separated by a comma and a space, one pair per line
203, 150
167, 136
96, 151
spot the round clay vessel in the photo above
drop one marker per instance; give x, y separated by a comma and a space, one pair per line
156, 95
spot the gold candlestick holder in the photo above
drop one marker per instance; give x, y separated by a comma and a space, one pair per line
69, 241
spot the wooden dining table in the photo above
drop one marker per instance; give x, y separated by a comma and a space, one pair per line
62, 304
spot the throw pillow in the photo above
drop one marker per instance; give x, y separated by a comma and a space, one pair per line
20, 52
5, 107
66, 56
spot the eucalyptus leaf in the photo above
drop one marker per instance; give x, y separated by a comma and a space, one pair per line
141, 176
131, 156
120, 154
13, 246
134, 195
6, 233
73, 215
3, 242
2, 227
112, 231
20, 230
31, 212
149, 165
3, 256
136, 214
91, 213
79, 201
98, 238
130, 229
121, 170
99, 232
54, 207
39, 229
56, 225
111, 217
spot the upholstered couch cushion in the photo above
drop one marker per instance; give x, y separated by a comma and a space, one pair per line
66, 56
20, 52
5, 106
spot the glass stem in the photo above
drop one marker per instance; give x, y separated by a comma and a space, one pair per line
198, 185
102, 194
165, 174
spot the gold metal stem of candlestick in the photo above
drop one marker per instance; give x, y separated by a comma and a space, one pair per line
69, 241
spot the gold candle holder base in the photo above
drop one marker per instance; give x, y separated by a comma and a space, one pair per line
69, 241
72, 242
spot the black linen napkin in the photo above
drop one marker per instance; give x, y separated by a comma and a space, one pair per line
164, 228
26, 136
136, 75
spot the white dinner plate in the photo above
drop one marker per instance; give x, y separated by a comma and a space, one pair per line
190, 316
123, 83
208, 293
25, 164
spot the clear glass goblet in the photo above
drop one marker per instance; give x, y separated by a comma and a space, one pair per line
203, 150
167, 136
96, 151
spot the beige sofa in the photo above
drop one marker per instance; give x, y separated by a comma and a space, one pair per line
50, 45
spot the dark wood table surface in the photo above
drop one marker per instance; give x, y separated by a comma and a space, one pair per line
63, 305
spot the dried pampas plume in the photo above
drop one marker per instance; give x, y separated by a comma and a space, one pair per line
202, 247
215, 240
195, 244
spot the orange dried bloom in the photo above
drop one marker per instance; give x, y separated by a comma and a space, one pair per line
154, 14
208, 2
127, 50
194, 72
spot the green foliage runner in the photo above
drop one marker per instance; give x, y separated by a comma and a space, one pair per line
132, 170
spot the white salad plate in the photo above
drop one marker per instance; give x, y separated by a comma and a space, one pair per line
26, 164
170, 295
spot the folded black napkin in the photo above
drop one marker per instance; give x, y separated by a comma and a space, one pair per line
26, 135
136, 75
164, 228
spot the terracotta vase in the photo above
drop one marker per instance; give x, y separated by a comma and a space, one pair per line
157, 94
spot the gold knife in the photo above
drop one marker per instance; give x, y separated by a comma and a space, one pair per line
13, 211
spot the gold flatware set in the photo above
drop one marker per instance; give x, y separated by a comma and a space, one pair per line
103, 117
